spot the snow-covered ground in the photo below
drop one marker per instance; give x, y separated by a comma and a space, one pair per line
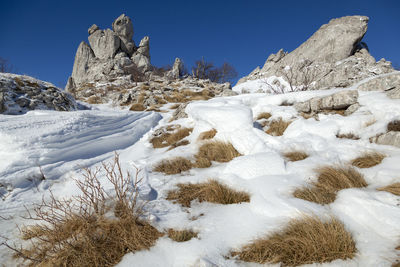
63, 142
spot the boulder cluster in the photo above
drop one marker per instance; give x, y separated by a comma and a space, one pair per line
111, 54
334, 56
19, 94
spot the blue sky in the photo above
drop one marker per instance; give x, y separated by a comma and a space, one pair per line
40, 38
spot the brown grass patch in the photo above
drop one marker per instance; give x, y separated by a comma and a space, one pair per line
351, 136
303, 241
208, 134
181, 235
173, 166
330, 181
215, 151
278, 127
175, 106
94, 99
170, 139
180, 143
295, 155
210, 191
77, 231
368, 160
137, 107
393, 188
394, 126
264, 115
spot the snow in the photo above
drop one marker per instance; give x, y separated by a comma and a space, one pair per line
63, 142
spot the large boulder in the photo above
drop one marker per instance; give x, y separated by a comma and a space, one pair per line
333, 56
141, 58
104, 43
123, 27
390, 83
177, 69
83, 56
20, 93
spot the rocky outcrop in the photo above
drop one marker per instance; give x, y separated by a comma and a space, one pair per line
110, 54
391, 138
389, 83
344, 100
177, 69
19, 94
333, 56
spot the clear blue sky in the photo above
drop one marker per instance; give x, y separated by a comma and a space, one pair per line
40, 38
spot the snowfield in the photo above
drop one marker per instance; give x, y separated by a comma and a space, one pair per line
61, 143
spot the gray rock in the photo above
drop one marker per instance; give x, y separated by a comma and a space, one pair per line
388, 83
180, 113
177, 69
344, 99
93, 28
339, 100
83, 56
123, 27
104, 43
391, 138
228, 92
144, 46
141, 58
302, 106
351, 109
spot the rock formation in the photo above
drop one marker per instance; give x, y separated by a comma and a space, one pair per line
334, 56
109, 54
19, 94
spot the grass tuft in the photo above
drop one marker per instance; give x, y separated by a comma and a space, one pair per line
330, 181
278, 127
368, 160
306, 240
170, 139
215, 151
394, 126
181, 235
295, 155
173, 166
351, 136
393, 188
264, 115
210, 191
208, 134
137, 107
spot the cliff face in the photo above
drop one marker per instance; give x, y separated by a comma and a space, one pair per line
333, 56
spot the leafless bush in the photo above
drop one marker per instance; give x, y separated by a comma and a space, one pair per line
5, 66
206, 70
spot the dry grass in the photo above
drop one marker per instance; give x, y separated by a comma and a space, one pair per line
210, 191
175, 106
181, 235
77, 231
170, 139
351, 136
278, 127
264, 115
215, 151
368, 160
208, 134
180, 143
173, 166
303, 241
393, 188
394, 126
330, 181
295, 155
137, 107
94, 99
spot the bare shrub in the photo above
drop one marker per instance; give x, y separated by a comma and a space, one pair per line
173, 166
181, 235
78, 231
206, 70
368, 160
306, 240
351, 136
5, 66
394, 126
207, 134
393, 188
264, 115
330, 181
295, 155
215, 151
277, 127
210, 191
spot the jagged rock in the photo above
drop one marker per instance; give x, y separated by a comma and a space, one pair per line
83, 56
338, 101
388, 83
176, 70
391, 138
123, 27
19, 94
180, 113
333, 56
351, 109
141, 58
104, 43
93, 28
